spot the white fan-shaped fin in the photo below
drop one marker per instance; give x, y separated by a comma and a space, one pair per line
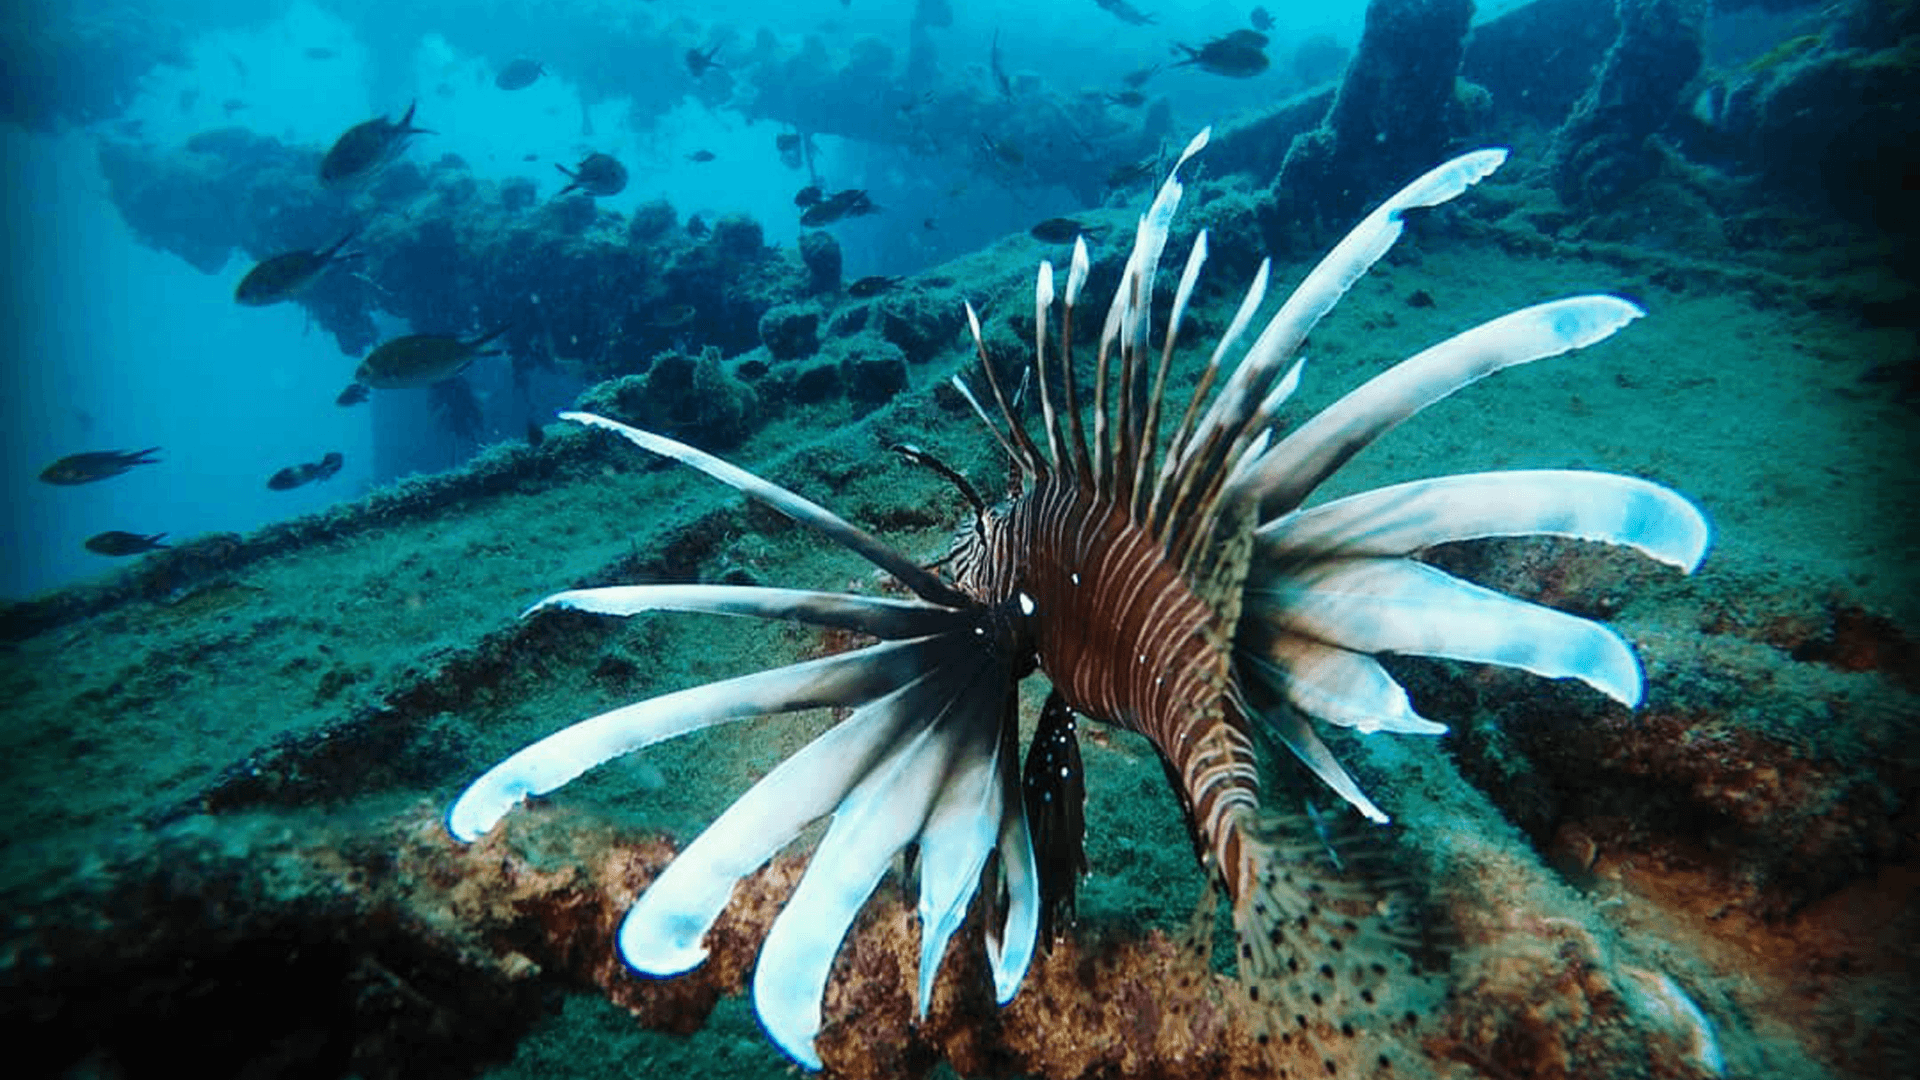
954, 844
663, 931
922, 581
1402, 606
1336, 272
849, 678
1398, 520
1292, 730
879, 817
1010, 946
1336, 685
880, 616
1310, 453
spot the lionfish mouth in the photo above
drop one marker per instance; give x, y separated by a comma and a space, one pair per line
1175, 587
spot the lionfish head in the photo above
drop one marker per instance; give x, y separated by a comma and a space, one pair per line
1175, 586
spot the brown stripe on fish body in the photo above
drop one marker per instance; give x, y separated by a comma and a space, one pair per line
1126, 640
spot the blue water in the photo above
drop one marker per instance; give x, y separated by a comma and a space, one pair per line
113, 345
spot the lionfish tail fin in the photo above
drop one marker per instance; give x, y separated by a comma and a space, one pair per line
1324, 955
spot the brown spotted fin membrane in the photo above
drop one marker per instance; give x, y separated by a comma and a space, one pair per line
1325, 940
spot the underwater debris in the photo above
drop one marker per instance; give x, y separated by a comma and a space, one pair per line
1250, 614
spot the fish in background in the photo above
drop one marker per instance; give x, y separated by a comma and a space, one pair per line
1063, 230
95, 465
597, 174
872, 285
699, 63
701, 157
117, 543
792, 149
1125, 12
999, 73
294, 476
1260, 19
1238, 55
279, 277
827, 209
354, 394
366, 147
417, 360
519, 74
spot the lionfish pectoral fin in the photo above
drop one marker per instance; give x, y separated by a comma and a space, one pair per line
1010, 946
960, 833
884, 812
925, 584
663, 931
849, 678
1393, 605
1403, 518
880, 616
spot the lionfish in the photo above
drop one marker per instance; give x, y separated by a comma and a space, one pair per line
1177, 589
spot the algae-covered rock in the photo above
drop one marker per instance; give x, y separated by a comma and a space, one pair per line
791, 331
821, 254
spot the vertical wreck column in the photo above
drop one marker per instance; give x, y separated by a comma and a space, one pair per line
1388, 121
1603, 150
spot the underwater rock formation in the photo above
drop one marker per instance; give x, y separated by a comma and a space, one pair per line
1828, 115
1603, 151
1388, 120
62, 64
1537, 59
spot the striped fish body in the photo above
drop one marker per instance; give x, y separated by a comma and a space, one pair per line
1125, 638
